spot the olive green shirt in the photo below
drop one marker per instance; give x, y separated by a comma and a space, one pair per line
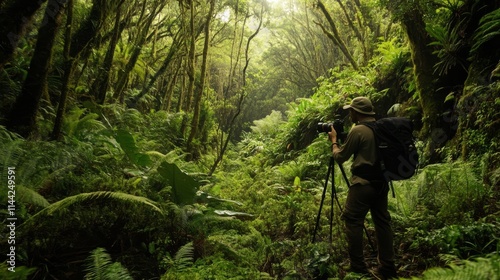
360, 142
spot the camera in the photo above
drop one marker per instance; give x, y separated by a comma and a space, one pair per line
338, 125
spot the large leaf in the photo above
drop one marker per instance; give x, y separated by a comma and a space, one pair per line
184, 186
127, 143
229, 213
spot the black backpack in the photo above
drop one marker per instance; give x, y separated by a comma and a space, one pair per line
397, 152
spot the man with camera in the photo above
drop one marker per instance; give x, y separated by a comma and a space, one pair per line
368, 190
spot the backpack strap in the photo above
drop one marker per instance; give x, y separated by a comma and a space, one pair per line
373, 126
380, 160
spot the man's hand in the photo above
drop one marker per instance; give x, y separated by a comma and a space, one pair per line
333, 135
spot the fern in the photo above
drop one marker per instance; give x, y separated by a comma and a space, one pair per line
30, 196
12, 153
451, 191
184, 257
10, 148
65, 203
269, 125
479, 269
99, 266
180, 263
78, 124
489, 28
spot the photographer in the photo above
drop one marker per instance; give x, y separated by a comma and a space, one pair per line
368, 190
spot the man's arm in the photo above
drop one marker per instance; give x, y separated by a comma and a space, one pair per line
333, 138
341, 154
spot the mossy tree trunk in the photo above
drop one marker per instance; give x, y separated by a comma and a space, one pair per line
14, 19
431, 99
477, 107
68, 66
22, 118
101, 83
76, 49
198, 97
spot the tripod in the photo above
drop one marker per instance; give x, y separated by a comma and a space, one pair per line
331, 172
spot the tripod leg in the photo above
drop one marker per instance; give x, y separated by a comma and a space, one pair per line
333, 197
321, 204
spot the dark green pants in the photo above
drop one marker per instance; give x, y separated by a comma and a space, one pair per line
360, 200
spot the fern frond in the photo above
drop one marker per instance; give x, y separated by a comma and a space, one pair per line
479, 269
488, 29
6, 135
10, 150
100, 266
184, 256
30, 196
63, 204
97, 263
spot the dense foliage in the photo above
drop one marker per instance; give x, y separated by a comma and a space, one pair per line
178, 139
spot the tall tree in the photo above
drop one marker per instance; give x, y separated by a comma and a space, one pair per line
68, 65
147, 15
101, 83
191, 62
198, 97
76, 49
22, 118
15, 16
438, 76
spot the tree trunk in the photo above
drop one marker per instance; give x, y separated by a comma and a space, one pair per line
139, 43
335, 37
431, 100
182, 91
85, 37
22, 118
101, 83
13, 21
167, 99
174, 47
190, 68
68, 69
197, 100
191, 58
74, 47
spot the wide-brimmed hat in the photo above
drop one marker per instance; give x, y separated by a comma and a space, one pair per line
361, 105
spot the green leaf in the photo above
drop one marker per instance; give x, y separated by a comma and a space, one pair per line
296, 182
127, 143
230, 213
183, 185
202, 197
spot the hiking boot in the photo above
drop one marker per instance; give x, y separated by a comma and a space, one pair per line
360, 270
386, 274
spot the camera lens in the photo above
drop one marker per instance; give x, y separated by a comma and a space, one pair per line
324, 127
